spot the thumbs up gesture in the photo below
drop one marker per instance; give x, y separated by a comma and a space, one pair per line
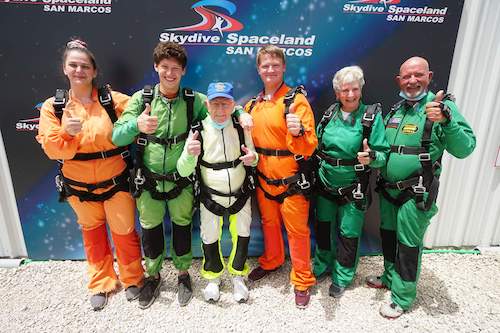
293, 121
433, 109
193, 144
145, 122
71, 125
249, 156
364, 156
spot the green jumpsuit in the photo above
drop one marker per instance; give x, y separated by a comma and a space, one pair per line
402, 228
162, 159
341, 139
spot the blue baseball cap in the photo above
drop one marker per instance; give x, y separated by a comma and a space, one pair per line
220, 89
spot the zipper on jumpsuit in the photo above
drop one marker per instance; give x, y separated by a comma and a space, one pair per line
169, 111
225, 160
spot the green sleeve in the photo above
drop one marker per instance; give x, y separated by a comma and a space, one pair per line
378, 142
458, 137
125, 129
186, 163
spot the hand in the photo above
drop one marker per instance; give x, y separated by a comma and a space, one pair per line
433, 109
364, 156
193, 144
249, 156
246, 121
71, 125
145, 123
293, 121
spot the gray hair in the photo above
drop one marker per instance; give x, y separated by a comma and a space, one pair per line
348, 75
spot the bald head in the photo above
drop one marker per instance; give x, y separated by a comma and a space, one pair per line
415, 61
414, 77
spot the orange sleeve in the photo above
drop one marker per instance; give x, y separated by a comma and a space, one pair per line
55, 141
304, 144
120, 101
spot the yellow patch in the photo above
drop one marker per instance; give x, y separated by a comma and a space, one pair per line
409, 129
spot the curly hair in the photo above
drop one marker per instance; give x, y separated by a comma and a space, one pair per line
170, 50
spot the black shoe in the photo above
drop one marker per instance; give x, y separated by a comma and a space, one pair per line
99, 301
259, 272
336, 291
132, 292
185, 292
149, 291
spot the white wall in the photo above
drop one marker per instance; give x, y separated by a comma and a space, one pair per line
11, 235
469, 197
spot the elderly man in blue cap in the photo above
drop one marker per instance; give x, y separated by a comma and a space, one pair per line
222, 154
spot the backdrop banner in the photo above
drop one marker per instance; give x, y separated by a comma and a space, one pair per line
222, 38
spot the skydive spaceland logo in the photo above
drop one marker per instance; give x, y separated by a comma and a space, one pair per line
202, 34
29, 125
396, 12
68, 6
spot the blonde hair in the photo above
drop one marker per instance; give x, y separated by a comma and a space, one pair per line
272, 50
348, 75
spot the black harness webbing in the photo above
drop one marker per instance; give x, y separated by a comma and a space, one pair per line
145, 179
119, 183
360, 190
302, 181
423, 181
204, 193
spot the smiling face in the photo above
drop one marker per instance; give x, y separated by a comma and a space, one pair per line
414, 77
79, 68
271, 70
220, 109
170, 73
349, 96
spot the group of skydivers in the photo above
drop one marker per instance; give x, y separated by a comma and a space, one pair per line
194, 150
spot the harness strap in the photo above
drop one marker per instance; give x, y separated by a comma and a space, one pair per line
273, 152
123, 151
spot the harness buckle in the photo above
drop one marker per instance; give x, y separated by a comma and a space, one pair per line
303, 183
419, 188
359, 167
147, 92
357, 194
59, 183
114, 180
400, 149
367, 117
176, 176
189, 93
327, 115
142, 141
60, 161
251, 186
105, 99
103, 155
174, 140
298, 157
424, 157
139, 178
125, 154
399, 185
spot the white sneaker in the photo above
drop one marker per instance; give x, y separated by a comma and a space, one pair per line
240, 290
211, 292
391, 310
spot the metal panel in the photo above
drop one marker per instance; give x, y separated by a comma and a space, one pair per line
11, 235
469, 198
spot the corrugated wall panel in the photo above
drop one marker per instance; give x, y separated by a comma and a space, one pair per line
11, 235
469, 198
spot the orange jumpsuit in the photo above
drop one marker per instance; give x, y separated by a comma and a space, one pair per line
270, 131
118, 211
